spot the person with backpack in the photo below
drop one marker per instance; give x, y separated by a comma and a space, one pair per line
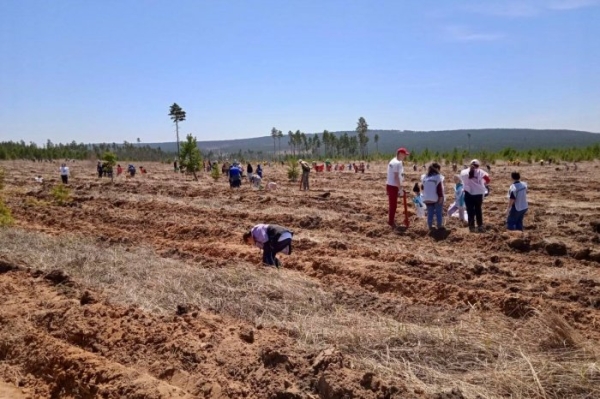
305, 171
517, 203
474, 185
433, 195
272, 239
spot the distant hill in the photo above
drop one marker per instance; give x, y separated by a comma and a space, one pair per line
442, 140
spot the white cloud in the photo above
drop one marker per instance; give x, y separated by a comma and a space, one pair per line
464, 34
527, 8
506, 8
571, 4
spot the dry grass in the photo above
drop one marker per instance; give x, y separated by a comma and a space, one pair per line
485, 355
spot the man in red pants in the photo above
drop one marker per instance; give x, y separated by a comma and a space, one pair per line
395, 176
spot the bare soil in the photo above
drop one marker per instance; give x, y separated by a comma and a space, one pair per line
540, 290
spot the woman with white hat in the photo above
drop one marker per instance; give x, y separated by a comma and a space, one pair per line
474, 180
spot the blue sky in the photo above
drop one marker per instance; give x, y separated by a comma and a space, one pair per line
108, 70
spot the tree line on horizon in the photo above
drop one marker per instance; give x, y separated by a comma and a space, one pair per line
10, 150
333, 149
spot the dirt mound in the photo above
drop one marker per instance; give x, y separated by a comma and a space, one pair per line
73, 343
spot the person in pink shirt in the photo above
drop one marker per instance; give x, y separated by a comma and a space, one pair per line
474, 180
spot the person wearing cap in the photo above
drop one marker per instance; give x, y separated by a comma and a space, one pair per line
305, 171
474, 185
395, 176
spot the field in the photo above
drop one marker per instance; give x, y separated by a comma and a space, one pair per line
144, 289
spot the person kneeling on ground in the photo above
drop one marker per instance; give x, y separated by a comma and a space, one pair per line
272, 239
256, 181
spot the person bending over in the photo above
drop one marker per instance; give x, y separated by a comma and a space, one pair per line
272, 239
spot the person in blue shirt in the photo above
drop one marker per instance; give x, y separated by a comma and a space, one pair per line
259, 171
235, 176
517, 203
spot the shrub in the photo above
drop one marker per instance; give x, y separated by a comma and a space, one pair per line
6, 218
293, 172
61, 194
215, 173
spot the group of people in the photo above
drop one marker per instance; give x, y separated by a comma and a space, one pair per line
105, 170
471, 186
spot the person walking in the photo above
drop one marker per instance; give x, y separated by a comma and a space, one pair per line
395, 176
64, 173
305, 172
474, 181
99, 169
272, 239
433, 195
259, 171
517, 203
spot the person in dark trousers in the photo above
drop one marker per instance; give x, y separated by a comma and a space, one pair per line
474, 185
175, 166
64, 173
517, 203
131, 170
395, 178
259, 171
272, 239
99, 169
235, 176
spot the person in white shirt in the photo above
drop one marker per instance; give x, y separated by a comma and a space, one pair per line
395, 176
433, 195
64, 173
517, 203
474, 180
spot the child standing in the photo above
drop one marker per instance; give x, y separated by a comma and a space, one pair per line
517, 203
418, 201
459, 201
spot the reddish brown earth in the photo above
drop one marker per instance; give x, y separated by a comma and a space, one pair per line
62, 348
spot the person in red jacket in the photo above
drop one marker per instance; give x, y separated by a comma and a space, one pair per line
474, 180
